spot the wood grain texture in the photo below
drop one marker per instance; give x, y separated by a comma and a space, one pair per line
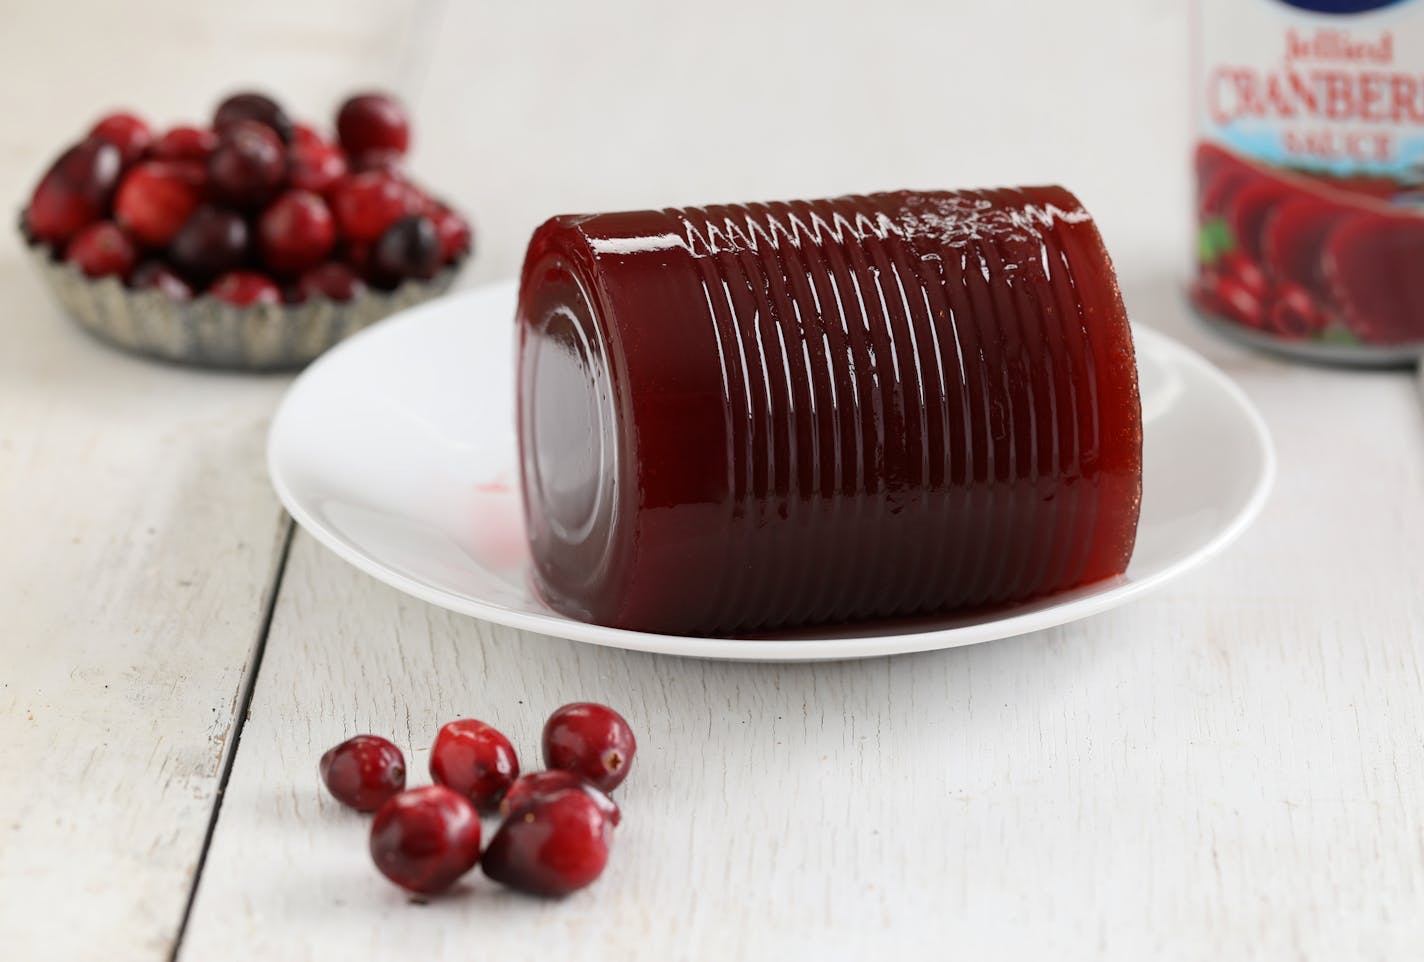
140, 534
1230, 768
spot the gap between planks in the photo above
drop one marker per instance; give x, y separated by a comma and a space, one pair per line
239, 722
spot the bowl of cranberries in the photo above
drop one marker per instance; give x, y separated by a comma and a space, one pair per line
254, 242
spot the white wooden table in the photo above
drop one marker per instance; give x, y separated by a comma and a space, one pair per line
1232, 768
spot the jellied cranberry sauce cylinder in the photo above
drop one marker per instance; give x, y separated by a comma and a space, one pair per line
752, 416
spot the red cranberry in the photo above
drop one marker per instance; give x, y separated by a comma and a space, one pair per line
372, 122
590, 740
332, 280
409, 248
74, 192
388, 162
553, 846
364, 772
453, 231
314, 166
253, 107
1295, 313
245, 289
157, 276
102, 249
296, 232
125, 131
1245, 271
426, 838
540, 786
249, 165
366, 204
155, 199
185, 143
475, 760
1239, 302
211, 242
305, 134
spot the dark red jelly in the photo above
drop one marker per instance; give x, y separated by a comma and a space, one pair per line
744, 417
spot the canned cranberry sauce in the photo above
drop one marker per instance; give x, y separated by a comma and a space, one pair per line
1310, 176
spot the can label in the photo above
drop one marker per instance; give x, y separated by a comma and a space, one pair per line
1310, 170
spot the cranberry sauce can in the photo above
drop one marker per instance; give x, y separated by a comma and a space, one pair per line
1309, 165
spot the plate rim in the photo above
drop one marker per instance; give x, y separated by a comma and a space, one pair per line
555, 625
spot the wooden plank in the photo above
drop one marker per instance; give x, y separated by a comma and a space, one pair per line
141, 535
1226, 769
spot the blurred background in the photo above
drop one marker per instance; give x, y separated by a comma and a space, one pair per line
522, 111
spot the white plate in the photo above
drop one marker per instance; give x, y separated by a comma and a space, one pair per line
397, 451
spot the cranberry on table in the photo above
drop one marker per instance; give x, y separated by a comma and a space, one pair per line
157, 276
245, 288
314, 166
551, 847
372, 121
249, 164
185, 143
74, 192
409, 248
306, 134
155, 199
211, 242
364, 772
296, 232
125, 131
540, 786
426, 838
101, 250
366, 204
254, 107
453, 231
332, 280
591, 740
475, 760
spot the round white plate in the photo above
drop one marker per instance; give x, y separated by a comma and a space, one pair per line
397, 451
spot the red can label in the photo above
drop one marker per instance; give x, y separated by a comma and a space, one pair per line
1310, 171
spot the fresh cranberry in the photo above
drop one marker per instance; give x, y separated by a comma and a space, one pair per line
1245, 271
426, 838
475, 760
211, 242
1238, 302
126, 132
245, 289
1295, 313
364, 772
305, 134
157, 276
332, 280
388, 162
314, 166
539, 786
74, 192
590, 740
249, 165
453, 231
296, 232
372, 122
155, 199
409, 248
366, 204
255, 107
551, 847
102, 249
185, 143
